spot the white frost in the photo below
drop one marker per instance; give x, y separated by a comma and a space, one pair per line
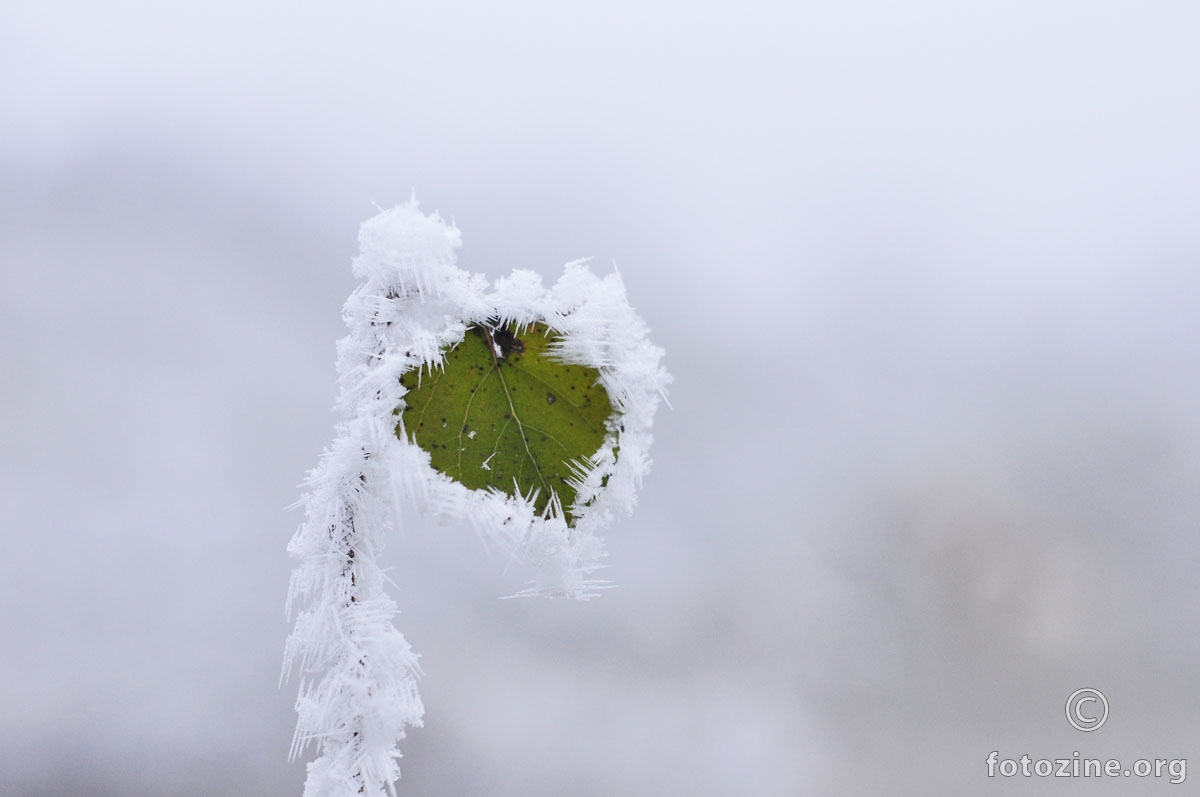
358, 689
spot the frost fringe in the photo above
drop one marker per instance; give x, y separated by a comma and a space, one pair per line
358, 675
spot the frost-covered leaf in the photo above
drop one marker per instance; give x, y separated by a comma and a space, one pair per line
573, 368
502, 413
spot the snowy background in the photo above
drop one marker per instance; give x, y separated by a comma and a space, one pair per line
927, 276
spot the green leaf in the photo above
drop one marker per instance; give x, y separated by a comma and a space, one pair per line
503, 414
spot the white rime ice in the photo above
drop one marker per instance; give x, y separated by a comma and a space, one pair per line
358, 675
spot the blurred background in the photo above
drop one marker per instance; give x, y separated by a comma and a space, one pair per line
927, 278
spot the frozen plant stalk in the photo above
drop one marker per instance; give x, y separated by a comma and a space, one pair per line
522, 409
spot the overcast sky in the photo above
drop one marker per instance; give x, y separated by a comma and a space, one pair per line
927, 278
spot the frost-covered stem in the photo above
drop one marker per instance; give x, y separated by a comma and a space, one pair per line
359, 688
353, 658
358, 691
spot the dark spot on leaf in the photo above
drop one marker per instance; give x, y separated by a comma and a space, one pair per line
549, 398
508, 342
